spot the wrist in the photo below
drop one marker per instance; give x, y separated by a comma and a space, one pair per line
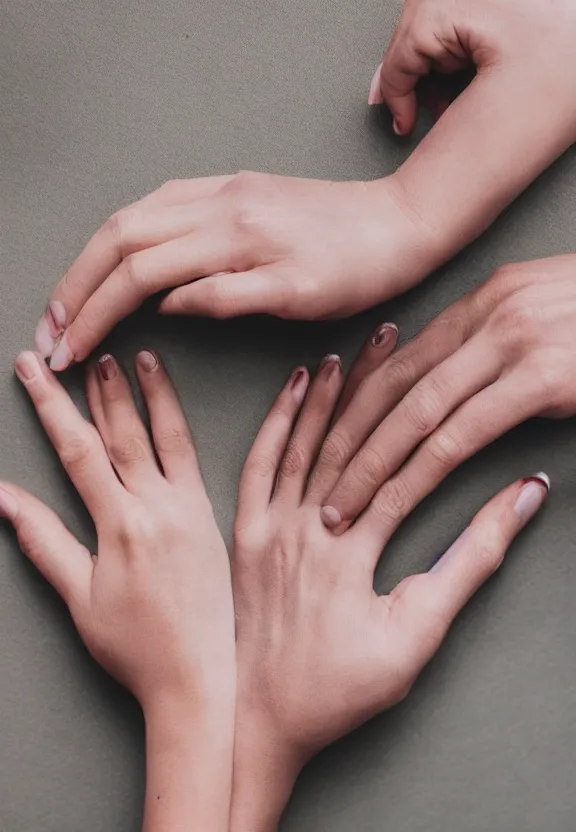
266, 767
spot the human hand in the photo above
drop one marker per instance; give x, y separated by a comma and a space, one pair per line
154, 607
512, 121
295, 248
502, 354
318, 651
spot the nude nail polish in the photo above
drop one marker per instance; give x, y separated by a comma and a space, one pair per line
62, 356
330, 364
58, 312
148, 361
330, 516
396, 128
107, 367
384, 335
27, 366
299, 383
375, 96
531, 497
43, 339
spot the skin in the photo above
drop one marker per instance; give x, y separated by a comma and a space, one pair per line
296, 248
154, 605
502, 354
318, 651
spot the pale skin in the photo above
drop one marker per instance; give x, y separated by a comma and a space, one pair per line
297, 248
154, 604
318, 651
502, 354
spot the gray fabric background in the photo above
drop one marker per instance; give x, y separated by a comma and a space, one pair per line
103, 101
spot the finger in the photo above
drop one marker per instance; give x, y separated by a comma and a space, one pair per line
374, 352
75, 440
117, 418
139, 276
475, 424
421, 411
424, 606
387, 385
309, 432
410, 57
259, 291
168, 212
261, 467
42, 536
170, 431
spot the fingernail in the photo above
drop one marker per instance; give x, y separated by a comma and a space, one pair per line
107, 367
147, 360
384, 335
27, 366
62, 356
396, 128
375, 96
531, 497
329, 365
299, 383
330, 516
58, 313
8, 505
43, 340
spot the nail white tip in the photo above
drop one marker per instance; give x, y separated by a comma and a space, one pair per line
544, 478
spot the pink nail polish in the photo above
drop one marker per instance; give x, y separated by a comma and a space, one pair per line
107, 367
330, 516
384, 335
43, 340
27, 366
375, 96
8, 505
62, 356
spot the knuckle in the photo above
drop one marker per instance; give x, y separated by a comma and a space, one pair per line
134, 274
294, 462
77, 450
336, 451
126, 451
260, 465
370, 467
490, 549
551, 377
173, 441
399, 373
394, 501
422, 409
444, 449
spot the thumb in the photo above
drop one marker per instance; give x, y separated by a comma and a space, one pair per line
42, 536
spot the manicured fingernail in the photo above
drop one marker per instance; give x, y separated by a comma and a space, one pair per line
107, 367
375, 96
43, 339
396, 128
531, 497
299, 383
58, 313
147, 361
62, 356
330, 365
8, 505
27, 366
330, 516
384, 335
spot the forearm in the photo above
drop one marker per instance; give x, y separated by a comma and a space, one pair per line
495, 139
189, 757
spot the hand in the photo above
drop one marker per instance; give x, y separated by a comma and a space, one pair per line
154, 607
318, 651
498, 356
227, 246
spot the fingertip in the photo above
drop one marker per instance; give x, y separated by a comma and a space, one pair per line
386, 336
147, 361
532, 496
331, 517
375, 94
28, 366
62, 357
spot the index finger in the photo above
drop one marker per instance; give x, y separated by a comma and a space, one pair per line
75, 440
